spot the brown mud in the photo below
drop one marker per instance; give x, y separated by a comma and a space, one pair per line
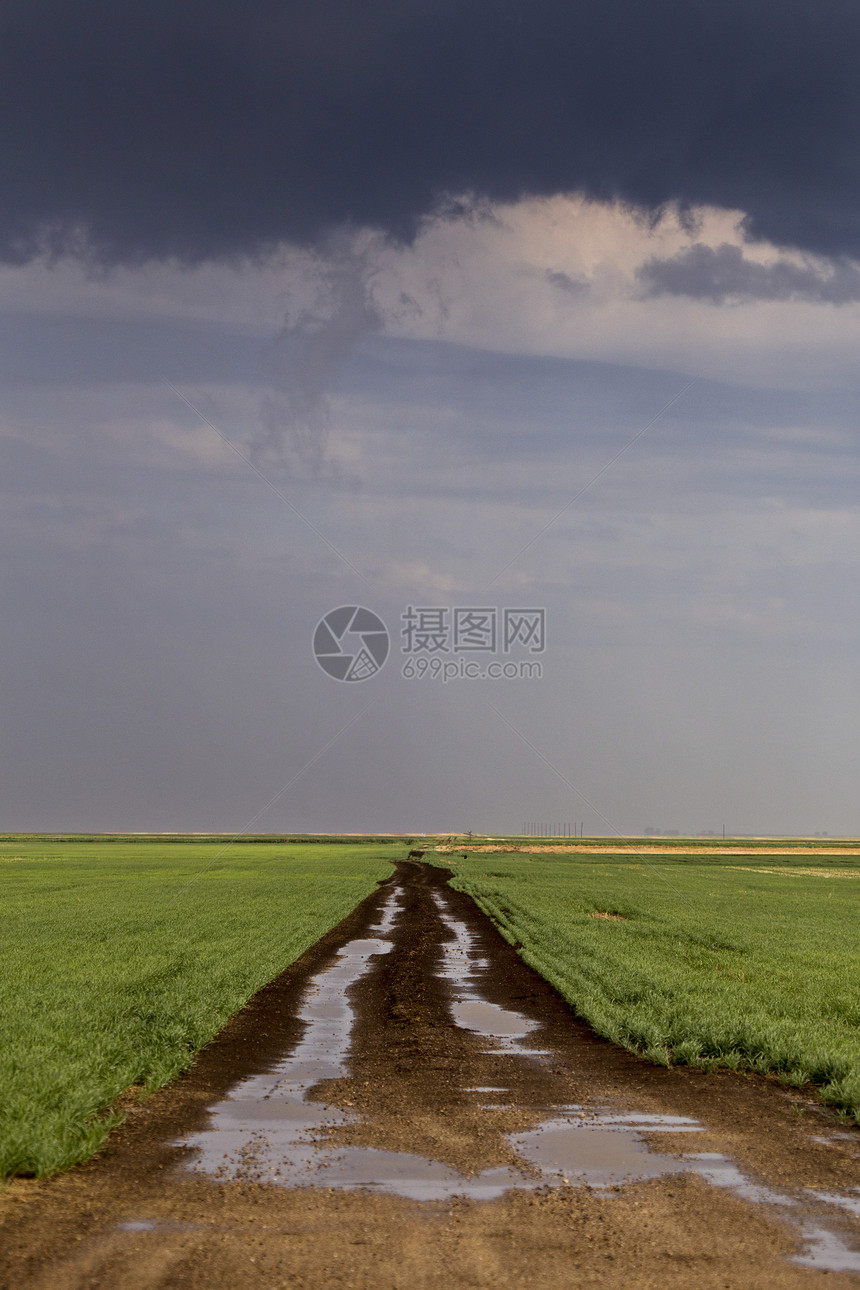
416, 1084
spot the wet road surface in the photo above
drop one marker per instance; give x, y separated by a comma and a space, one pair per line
410, 1105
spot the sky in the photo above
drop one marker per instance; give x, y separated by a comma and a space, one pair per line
457, 313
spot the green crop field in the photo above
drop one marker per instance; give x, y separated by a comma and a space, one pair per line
123, 957
739, 961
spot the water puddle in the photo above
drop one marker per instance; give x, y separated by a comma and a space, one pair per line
269, 1130
719, 1171
465, 969
264, 1129
827, 1251
604, 1151
156, 1225
850, 1202
598, 1155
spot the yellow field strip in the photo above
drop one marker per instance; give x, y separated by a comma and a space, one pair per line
797, 873
662, 851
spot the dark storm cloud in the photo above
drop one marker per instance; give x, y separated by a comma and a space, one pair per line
205, 129
722, 273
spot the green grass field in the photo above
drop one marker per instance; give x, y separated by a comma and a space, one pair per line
122, 957
116, 970
745, 962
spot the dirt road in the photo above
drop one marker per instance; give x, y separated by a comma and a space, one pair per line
411, 1106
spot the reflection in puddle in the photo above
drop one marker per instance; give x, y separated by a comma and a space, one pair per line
654, 1123
851, 1203
465, 968
569, 1152
156, 1225
490, 1020
267, 1130
719, 1171
827, 1251
264, 1129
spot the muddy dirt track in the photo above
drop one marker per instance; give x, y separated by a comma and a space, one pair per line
411, 1106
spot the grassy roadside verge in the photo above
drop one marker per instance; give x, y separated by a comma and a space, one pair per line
745, 962
123, 957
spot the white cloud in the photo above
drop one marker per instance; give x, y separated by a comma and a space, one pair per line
504, 283
555, 276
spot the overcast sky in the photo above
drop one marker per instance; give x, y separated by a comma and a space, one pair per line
443, 305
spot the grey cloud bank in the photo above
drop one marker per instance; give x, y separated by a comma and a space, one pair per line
156, 663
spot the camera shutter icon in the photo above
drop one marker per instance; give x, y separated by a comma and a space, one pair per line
351, 643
